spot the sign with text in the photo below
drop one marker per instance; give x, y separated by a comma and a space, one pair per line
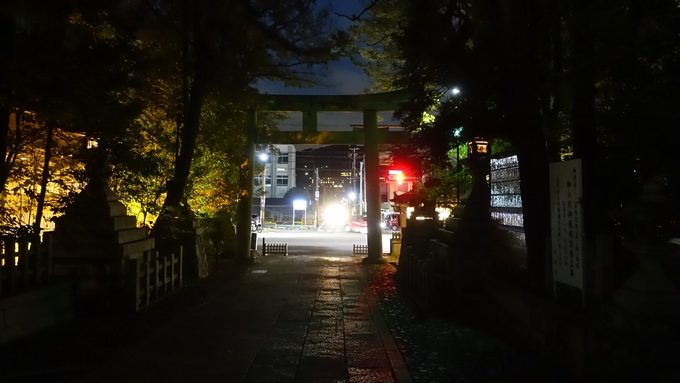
566, 215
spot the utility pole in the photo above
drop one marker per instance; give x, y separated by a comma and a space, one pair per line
316, 196
273, 176
353, 155
262, 197
361, 188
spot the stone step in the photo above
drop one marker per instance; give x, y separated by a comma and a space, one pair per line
131, 235
116, 209
124, 222
133, 249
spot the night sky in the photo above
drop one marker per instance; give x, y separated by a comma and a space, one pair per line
344, 78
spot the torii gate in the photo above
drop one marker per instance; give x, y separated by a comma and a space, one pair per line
372, 136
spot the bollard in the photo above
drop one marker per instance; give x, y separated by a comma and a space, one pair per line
430, 278
421, 278
413, 270
402, 271
402, 266
253, 241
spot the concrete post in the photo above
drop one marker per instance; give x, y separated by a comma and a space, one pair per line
245, 202
372, 188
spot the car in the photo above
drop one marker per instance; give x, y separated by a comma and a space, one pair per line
391, 221
357, 224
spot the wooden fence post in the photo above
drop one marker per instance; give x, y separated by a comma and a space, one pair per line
10, 267
160, 274
49, 243
181, 262
157, 279
36, 260
167, 275
160, 278
173, 270
24, 264
133, 273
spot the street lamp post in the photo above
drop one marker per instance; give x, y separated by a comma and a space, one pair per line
263, 158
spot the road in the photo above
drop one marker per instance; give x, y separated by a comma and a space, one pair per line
312, 242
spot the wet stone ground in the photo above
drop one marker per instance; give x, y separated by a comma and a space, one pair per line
438, 350
306, 319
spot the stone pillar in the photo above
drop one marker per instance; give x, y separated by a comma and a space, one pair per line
468, 254
648, 302
245, 202
372, 188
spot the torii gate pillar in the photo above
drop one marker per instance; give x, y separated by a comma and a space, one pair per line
245, 198
374, 236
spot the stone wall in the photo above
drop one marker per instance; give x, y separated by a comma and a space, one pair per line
26, 314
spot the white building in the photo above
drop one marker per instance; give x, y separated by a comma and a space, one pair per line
280, 172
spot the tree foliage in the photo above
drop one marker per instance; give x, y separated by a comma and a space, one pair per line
220, 49
158, 83
589, 79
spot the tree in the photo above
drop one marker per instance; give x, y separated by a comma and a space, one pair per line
69, 66
296, 193
43, 177
224, 47
557, 79
7, 63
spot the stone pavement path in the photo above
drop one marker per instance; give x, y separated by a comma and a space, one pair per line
291, 319
288, 319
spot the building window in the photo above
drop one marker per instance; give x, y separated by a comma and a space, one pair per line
282, 159
281, 180
258, 180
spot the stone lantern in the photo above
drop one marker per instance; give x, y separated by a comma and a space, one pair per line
477, 146
474, 205
649, 301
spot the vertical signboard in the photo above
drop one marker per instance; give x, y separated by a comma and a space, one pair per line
566, 213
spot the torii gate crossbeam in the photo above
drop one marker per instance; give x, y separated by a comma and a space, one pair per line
369, 104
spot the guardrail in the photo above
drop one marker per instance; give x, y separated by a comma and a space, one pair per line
359, 250
153, 276
275, 249
288, 226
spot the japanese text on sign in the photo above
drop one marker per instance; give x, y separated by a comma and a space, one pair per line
566, 213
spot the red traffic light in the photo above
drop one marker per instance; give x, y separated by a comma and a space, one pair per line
396, 175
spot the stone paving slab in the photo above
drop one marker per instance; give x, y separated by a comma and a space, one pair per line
296, 319
301, 319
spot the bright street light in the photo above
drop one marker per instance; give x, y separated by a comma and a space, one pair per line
455, 91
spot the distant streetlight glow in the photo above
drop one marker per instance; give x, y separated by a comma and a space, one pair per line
263, 157
455, 91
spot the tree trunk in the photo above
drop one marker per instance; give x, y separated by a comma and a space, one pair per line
44, 179
520, 91
583, 114
553, 100
192, 118
7, 35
